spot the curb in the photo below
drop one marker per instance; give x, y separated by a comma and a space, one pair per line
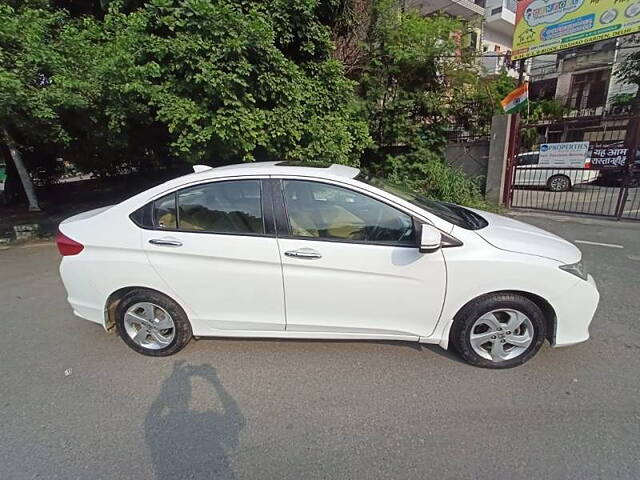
25, 233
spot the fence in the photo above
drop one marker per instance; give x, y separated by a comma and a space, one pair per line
603, 181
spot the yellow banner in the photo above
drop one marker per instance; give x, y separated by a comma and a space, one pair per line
546, 26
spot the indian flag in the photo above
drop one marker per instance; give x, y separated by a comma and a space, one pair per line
516, 100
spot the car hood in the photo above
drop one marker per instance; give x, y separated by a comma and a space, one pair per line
514, 236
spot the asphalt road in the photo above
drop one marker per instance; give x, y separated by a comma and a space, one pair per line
293, 409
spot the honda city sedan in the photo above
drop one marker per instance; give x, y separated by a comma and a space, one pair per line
284, 250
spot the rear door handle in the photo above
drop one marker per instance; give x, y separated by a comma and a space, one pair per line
165, 242
308, 253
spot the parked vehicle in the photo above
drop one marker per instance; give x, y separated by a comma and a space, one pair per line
615, 177
529, 173
279, 250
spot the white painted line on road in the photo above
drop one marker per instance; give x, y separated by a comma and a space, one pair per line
610, 245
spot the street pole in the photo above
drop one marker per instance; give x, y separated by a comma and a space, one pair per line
520, 71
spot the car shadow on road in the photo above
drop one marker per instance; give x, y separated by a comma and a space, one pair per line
186, 442
418, 347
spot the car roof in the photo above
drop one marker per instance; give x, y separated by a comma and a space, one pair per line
276, 168
203, 173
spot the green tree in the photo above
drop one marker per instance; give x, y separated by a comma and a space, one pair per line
29, 103
629, 70
415, 78
250, 80
141, 85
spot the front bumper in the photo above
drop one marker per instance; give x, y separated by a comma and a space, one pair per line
575, 309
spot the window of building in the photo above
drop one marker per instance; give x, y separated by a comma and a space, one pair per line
588, 90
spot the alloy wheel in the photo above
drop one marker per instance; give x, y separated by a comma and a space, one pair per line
559, 184
501, 335
149, 325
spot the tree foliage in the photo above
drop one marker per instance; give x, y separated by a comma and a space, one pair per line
246, 79
415, 80
629, 70
198, 80
119, 85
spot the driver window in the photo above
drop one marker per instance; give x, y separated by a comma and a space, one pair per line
320, 210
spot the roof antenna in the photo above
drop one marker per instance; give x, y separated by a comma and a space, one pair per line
201, 168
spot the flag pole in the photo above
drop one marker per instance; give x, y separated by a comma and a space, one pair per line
521, 80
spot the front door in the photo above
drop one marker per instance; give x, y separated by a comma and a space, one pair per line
212, 245
351, 264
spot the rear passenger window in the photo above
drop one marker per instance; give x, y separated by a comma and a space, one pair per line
164, 212
221, 207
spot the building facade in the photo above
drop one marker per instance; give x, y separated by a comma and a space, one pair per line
583, 81
497, 36
493, 35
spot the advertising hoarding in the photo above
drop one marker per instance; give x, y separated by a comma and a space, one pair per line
611, 154
547, 26
568, 154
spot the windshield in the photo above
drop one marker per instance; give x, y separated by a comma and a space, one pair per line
459, 216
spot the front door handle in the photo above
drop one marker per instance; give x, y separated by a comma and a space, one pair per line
309, 253
165, 242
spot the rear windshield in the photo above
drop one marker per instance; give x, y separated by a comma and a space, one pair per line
455, 214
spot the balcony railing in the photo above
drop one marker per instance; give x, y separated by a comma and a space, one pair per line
495, 64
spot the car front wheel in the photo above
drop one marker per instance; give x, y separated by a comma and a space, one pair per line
499, 331
152, 324
559, 183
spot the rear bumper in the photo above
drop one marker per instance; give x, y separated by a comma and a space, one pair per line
88, 312
84, 298
589, 176
574, 312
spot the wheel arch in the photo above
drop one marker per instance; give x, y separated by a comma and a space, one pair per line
547, 310
116, 297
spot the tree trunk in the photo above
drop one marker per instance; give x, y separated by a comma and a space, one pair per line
27, 184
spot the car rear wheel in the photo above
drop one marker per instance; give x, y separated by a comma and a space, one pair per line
559, 183
152, 324
499, 331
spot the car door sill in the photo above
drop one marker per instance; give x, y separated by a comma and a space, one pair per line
304, 335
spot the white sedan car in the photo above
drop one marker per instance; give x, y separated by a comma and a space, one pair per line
282, 250
529, 173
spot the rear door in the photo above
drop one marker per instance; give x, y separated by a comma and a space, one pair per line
351, 263
214, 245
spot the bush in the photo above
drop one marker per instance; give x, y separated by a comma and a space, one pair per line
425, 172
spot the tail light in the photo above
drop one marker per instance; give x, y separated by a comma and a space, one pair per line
587, 163
67, 246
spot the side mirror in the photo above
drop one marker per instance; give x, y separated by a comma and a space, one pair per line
430, 239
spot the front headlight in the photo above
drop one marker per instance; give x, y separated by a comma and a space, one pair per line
578, 269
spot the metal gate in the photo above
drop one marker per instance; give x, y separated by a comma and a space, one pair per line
583, 165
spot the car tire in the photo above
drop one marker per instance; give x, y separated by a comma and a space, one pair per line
152, 324
559, 183
493, 318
